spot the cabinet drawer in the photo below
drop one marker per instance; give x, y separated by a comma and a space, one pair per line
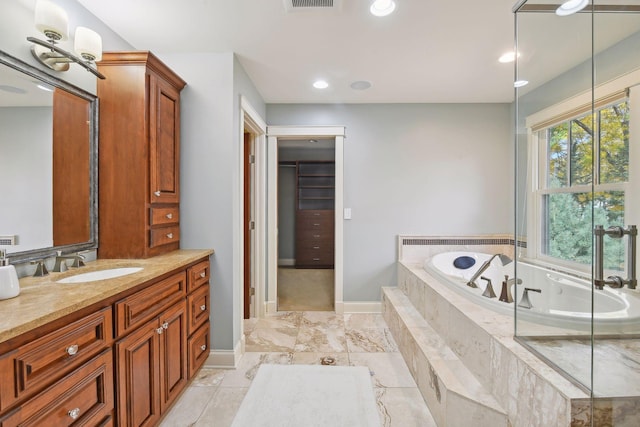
85, 397
46, 359
314, 223
323, 214
197, 308
164, 216
198, 275
136, 309
165, 235
198, 347
311, 261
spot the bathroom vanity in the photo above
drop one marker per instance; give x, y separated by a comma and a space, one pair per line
107, 352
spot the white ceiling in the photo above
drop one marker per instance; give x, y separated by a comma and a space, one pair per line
426, 51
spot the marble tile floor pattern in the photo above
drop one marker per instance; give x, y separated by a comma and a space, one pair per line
215, 395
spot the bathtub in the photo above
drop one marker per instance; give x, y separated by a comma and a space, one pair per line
565, 300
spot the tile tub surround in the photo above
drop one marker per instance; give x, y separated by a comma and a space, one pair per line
42, 300
531, 392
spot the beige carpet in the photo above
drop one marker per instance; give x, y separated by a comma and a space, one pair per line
305, 289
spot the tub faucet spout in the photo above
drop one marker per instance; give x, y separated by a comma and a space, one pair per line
503, 258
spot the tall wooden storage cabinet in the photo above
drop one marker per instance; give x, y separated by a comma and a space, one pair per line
139, 176
315, 200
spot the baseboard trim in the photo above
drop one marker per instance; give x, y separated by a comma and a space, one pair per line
361, 307
271, 307
225, 359
286, 262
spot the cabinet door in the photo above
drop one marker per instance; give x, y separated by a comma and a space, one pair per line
173, 353
164, 141
138, 376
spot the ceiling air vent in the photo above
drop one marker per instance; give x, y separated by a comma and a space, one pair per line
311, 5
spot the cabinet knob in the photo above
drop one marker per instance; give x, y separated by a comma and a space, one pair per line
203, 274
159, 331
170, 235
165, 325
203, 307
74, 413
72, 349
169, 216
203, 347
157, 193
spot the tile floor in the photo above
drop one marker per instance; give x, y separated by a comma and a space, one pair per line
215, 395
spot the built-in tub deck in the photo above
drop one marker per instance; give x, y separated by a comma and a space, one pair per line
470, 369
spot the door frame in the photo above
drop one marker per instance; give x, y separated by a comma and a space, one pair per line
299, 132
251, 121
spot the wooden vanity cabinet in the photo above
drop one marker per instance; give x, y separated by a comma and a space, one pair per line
152, 367
123, 362
139, 156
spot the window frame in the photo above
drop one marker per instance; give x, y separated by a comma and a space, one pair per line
603, 96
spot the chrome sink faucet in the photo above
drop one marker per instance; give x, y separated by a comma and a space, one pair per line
61, 262
503, 258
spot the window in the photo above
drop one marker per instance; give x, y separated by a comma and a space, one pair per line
583, 170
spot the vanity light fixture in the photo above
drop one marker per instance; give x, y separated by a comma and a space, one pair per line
320, 84
382, 7
570, 7
52, 21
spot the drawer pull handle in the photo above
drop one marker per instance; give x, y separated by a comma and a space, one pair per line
316, 247
203, 307
159, 331
203, 347
316, 235
72, 349
170, 235
316, 214
74, 413
203, 274
157, 193
169, 215
165, 325
316, 259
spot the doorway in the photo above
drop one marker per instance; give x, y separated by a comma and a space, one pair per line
277, 261
306, 242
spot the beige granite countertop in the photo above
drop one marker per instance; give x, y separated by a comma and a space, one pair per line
42, 300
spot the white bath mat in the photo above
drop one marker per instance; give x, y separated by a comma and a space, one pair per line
309, 396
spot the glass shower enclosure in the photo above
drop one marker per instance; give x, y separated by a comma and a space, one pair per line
577, 179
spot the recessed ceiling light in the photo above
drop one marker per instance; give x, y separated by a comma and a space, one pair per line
320, 84
520, 83
361, 85
508, 57
382, 7
570, 7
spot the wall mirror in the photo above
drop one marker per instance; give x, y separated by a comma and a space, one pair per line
48, 163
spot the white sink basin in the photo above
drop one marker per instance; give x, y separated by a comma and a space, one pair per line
93, 276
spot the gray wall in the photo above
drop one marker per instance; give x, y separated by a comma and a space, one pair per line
442, 169
210, 171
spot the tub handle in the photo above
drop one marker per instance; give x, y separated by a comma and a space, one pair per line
526, 303
488, 291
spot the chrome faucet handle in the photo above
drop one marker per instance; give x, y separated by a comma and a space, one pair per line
41, 268
488, 291
526, 303
505, 294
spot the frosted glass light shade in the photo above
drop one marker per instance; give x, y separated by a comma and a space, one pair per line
88, 44
382, 7
52, 20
